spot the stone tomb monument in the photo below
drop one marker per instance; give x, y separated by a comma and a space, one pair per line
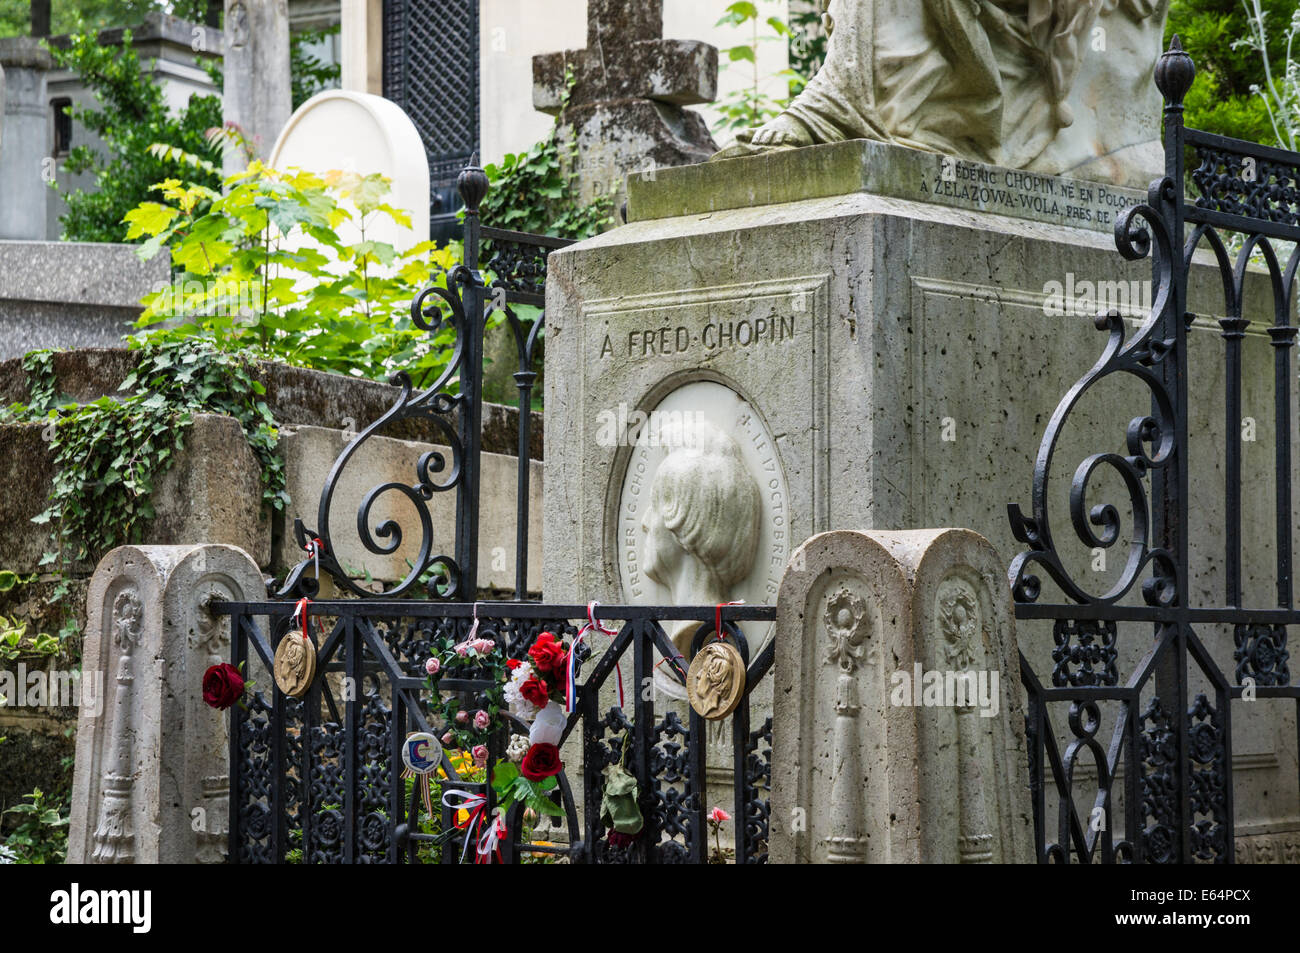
879, 333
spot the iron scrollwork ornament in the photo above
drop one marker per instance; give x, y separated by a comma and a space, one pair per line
456, 304
1140, 231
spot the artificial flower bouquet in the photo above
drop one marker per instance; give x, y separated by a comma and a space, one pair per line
532, 689
467, 729
535, 691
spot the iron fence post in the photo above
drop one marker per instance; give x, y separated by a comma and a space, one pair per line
473, 187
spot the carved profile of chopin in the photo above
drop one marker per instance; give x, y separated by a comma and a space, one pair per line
702, 522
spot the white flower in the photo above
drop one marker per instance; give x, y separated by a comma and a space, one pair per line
520, 706
548, 727
517, 748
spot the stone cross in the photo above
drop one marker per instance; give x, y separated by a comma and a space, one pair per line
627, 57
630, 84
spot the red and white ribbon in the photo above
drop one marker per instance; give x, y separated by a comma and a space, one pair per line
314, 548
489, 843
486, 842
300, 610
570, 681
717, 618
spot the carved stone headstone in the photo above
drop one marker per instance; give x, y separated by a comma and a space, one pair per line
624, 111
151, 779
898, 729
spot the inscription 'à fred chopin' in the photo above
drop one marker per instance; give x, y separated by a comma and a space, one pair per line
666, 340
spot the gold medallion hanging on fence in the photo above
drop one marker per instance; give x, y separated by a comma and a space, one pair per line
295, 659
715, 682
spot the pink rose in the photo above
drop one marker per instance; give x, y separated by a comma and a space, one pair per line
432, 666
718, 815
462, 718
462, 649
480, 754
481, 720
448, 738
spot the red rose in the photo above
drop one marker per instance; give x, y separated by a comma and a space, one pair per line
512, 663
541, 762
548, 655
222, 686
534, 689
615, 839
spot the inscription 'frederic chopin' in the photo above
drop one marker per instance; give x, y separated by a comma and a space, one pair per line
1015, 191
679, 339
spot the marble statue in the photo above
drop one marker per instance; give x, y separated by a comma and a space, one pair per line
702, 523
997, 81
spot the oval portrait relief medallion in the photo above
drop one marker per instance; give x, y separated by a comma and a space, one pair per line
295, 664
715, 683
703, 516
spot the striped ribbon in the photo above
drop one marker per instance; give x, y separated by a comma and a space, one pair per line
570, 682
487, 842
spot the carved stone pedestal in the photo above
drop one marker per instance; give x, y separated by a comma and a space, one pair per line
152, 759
898, 727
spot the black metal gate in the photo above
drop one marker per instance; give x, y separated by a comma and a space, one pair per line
1171, 742
431, 70
316, 779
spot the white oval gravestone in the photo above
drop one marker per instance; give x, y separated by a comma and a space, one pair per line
358, 132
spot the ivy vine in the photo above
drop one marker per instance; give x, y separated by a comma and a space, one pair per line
110, 453
536, 191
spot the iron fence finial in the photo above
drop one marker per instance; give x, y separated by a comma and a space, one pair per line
1174, 73
472, 184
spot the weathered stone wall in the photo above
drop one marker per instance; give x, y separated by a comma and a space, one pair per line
212, 494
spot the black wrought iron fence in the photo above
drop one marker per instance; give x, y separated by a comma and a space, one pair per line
1171, 742
318, 779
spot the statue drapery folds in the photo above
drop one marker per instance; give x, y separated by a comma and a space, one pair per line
998, 81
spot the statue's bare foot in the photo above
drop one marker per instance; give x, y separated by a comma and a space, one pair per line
783, 132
